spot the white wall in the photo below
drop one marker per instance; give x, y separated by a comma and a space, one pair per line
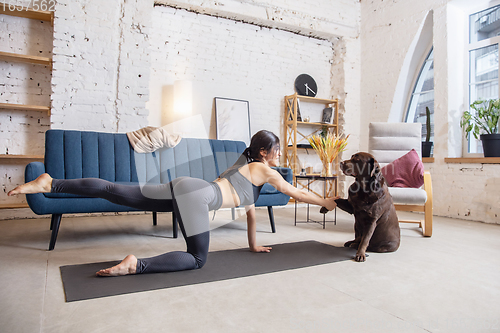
101, 65
224, 58
115, 61
468, 191
22, 132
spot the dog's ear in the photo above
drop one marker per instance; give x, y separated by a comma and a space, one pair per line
374, 167
377, 179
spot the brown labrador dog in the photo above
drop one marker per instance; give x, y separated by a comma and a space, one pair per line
376, 226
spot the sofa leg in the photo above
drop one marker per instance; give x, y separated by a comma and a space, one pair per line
271, 218
155, 218
54, 224
174, 225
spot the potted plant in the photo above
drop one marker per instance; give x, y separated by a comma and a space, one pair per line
427, 144
324, 131
483, 123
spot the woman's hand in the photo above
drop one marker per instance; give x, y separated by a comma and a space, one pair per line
330, 203
261, 249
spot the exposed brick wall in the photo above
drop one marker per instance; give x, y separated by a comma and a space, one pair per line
103, 55
468, 191
230, 59
24, 84
101, 65
325, 19
22, 132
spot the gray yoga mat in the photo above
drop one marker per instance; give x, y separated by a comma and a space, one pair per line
80, 281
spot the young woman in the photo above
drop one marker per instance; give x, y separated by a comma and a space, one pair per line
192, 199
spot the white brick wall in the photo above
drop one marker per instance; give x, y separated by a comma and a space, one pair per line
465, 191
224, 58
325, 19
102, 53
345, 79
22, 132
101, 65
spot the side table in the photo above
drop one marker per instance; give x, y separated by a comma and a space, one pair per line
329, 188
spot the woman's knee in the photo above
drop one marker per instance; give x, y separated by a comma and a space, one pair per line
201, 262
197, 246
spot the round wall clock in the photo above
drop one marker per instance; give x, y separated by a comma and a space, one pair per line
305, 85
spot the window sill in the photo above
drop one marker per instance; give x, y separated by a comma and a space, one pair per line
481, 160
428, 159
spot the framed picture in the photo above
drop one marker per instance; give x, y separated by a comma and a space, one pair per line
232, 118
327, 115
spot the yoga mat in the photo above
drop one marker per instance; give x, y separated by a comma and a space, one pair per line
81, 283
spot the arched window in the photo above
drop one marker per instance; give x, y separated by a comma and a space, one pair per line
423, 96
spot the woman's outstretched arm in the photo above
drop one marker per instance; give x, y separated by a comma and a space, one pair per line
252, 231
277, 181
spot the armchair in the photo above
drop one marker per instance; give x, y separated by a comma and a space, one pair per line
389, 141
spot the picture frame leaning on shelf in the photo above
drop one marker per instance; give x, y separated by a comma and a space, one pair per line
327, 115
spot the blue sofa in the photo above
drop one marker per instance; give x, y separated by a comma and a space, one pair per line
83, 154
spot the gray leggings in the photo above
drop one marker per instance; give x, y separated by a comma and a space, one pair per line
190, 198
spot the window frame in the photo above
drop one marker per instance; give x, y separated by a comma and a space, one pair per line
414, 81
423, 61
471, 46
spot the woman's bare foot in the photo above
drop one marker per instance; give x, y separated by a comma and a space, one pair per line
126, 267
42, 184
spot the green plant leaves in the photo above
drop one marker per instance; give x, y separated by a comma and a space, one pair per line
484, 120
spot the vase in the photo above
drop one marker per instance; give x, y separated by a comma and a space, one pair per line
426, 149
491, 144
327, 170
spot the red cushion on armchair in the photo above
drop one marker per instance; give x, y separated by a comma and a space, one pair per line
406, 171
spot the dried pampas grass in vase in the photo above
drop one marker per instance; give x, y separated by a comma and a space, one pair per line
328, 147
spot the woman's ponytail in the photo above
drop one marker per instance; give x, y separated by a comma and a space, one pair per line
247, 154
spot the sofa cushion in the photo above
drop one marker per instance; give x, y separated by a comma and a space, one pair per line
406, 171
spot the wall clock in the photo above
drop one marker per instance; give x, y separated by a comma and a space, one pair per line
305, 85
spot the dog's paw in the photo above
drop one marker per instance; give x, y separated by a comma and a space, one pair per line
360, 257
352, 244
323, 210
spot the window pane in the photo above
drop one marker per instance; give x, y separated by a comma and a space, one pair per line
417, 105
484, 64
485, 24
423, 96
483, 81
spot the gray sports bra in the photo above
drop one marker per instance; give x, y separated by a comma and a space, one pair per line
246, 191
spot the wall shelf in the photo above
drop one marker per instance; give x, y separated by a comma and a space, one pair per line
481, 160
22, 107
6, 56
19, 11
29, 13
302, 146
21, 157
314, 99
294, 139
312, 124
14, 205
